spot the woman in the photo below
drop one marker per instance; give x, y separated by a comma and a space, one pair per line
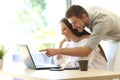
73, 38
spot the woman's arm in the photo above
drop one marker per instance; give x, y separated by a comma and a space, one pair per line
59, 56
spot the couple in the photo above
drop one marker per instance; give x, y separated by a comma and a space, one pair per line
103, 24
73, 38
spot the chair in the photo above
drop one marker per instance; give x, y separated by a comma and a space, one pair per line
112, 53
117, 60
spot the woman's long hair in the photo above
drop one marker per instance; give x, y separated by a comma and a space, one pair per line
74, 31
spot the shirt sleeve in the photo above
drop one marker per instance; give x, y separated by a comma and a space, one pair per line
99, 31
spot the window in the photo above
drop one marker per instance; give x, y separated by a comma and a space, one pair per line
32, 22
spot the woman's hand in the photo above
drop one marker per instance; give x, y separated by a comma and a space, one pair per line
59, 56
61, 43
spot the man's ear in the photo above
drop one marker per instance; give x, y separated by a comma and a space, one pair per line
84, 17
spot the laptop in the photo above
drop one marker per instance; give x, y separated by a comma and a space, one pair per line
29, 59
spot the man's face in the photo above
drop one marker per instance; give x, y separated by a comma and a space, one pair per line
77, 23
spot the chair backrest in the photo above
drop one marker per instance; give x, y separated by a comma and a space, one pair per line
112, 53
117, 60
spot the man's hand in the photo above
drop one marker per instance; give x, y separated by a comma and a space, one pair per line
50, 51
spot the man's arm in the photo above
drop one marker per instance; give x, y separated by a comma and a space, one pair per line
78, 51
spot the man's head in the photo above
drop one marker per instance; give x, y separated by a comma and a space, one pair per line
77, 16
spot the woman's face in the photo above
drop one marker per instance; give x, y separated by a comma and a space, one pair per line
65, 31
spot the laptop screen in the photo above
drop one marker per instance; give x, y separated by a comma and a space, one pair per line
26, 57
35, 60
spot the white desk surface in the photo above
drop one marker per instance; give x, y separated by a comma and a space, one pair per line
29, 74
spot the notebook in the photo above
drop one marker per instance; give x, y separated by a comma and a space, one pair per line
27, 57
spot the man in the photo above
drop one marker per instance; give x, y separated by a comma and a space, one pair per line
102, 23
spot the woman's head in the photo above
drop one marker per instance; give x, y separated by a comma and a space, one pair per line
74, 31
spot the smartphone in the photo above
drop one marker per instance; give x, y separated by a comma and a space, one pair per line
56, 69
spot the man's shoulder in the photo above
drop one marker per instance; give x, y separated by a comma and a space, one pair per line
94, 8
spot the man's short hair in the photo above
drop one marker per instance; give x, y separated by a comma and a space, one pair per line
75, 10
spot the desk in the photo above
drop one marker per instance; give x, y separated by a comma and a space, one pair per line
29, 74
